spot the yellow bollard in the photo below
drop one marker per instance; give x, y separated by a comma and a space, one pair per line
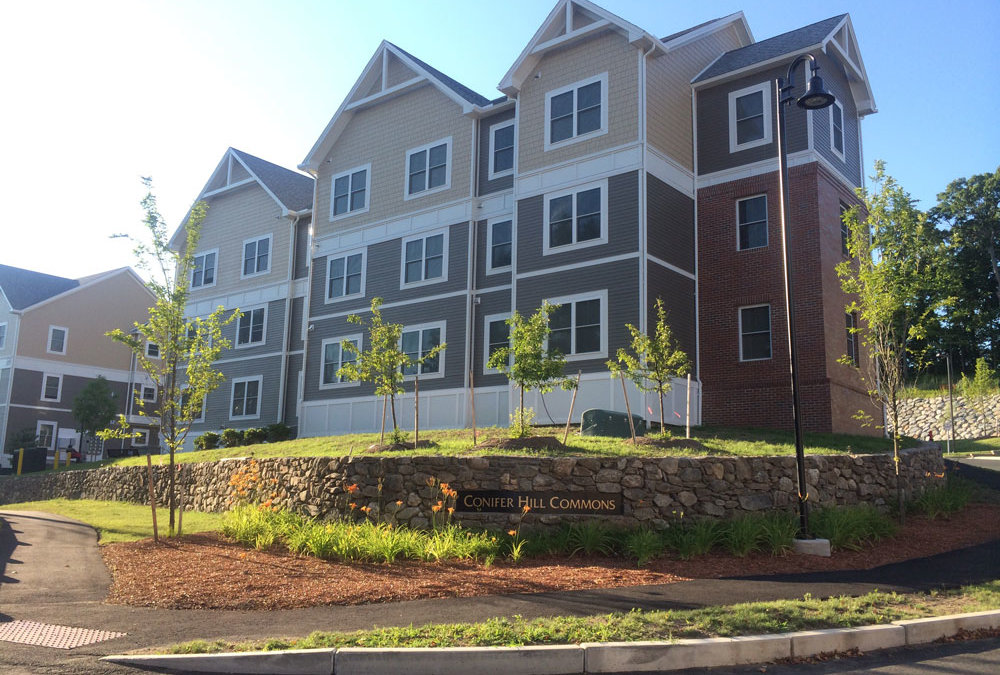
20, 461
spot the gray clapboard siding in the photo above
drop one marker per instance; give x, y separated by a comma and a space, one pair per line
292, 388
219, 402
487, 186
836, 82
300, 265
295, 326
274, 332
490, 303
670, 227
678, 293
484, 280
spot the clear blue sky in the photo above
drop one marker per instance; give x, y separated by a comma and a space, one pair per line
97, 94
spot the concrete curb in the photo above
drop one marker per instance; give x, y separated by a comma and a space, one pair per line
613, 657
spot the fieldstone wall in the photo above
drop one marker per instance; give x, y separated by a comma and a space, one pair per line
405, 489
919, 417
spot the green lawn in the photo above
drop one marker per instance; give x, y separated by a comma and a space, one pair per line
978, 446
118, 521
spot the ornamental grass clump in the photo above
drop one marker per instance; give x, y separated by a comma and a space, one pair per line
946, 499
851, 527
689, 538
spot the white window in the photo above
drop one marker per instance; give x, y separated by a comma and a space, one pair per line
417, 342
336, 357
496, 335
428, 168
575, 218
345, 276
245, 400
186, 403
751, 217
141, 438
349, 192
152, 350
501, 149
578, 327
837, 128
851, 321
3, 335
148, 393
45, 434
251, 328
499, 243
750, 117
256, 256
845, 231
203, 269
425, 259
576, 112
57, 340
51, 387
755, 333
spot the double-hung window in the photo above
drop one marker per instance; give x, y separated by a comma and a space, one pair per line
203, 269
755, 333
501, 149
578, 326
851, 321
576, 217
256, 256
845, 231
245, 400
417, 342
428, 168
345, 276
148, 394
3, 335
577, 111
152, 350
141, 438
349, 192
497, 336
250, 330
425, 258
750, 117
499, 245
189, 409
336, 357
57, 340
751, 214
837, 128
51, 387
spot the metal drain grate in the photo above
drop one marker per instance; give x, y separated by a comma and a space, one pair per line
47, 635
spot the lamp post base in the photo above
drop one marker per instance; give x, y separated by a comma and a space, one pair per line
820, 547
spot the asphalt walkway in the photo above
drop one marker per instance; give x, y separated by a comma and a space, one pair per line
51, 572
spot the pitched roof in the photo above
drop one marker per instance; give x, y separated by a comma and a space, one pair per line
779, 45
674, 36
24, 288
293, 189
456, 86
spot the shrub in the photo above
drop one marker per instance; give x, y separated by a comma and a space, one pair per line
207, 441
254, 435
277, 432
946, 499
643, 545
743, 534
851, 527
778, 529
232, 438
691, 538
590, 537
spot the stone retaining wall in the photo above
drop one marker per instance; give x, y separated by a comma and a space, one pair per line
922, 416
653, 490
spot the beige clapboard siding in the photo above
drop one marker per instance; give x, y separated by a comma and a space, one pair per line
668, 87
9, 318
88, 313
608, 52
232, 218
381, 135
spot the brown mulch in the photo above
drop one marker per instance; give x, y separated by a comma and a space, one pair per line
205, 571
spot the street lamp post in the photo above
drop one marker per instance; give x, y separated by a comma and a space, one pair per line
815, 98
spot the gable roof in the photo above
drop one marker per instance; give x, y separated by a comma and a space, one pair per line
456, 86
24, 288
293, 190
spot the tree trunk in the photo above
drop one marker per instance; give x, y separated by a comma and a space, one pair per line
392, 406
900, 492
659, 392
520, 409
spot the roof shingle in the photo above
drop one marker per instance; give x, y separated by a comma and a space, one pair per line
25, 288
293, 189
456, 86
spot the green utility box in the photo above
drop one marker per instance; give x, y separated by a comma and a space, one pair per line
597, 422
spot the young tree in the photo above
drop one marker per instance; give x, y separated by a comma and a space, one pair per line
94, 408
384, 363
654, 360
528, 363
183, 369
979, 390
888, 256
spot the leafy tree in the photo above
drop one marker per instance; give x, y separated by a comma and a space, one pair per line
528, 363
980, 389
94, 408
654, 360
384, 363
183, 372
888, 255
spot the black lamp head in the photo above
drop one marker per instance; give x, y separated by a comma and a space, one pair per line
816, 96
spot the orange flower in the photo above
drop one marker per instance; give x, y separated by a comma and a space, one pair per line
451, 510
436, 508
399, 502
352, 488
353, 505
366, 509
525, 509
512, 533
444, 487
430, 481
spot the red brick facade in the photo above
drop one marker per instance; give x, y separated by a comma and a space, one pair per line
758, 393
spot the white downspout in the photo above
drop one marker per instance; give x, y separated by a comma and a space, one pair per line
307, 304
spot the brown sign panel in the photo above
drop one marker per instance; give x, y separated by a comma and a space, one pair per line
542, 503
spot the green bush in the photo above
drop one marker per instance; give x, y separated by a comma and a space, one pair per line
232, 438
277, 432
692, 537
743, 534
207, 441
590, 537
643, 545
778, 531
254, 436
949, 498
851, 527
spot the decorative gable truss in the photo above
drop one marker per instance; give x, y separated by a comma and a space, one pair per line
843, 43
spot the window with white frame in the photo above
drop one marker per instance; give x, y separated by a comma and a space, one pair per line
750, 117
845, 231
3, 335
152, 350
250, 330
496, 335
425, 258
141, 438
349, 192
57, 340
501, 149
417, 342
203, 269
578, 326
51, 387
256, 256
576, 217
577, 111
500, 242
45, 434
336, 357
345, 276
751, 215
245, 400
837, 128
851, 321
428, 168
148, 394
755, 333
186, 406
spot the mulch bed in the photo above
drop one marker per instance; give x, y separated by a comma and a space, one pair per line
206, 571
